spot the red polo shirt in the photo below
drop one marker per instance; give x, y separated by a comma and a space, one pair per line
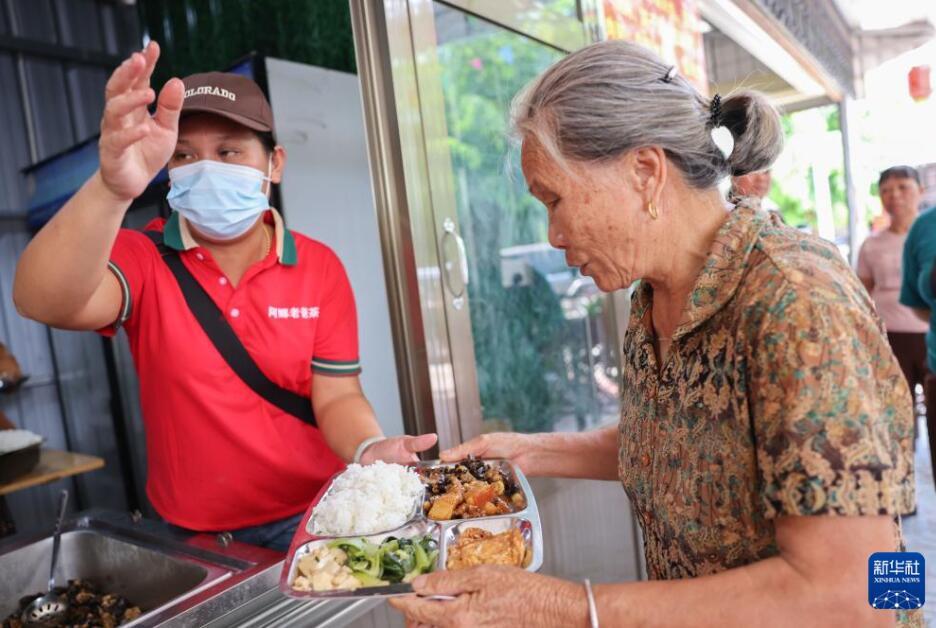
221, 457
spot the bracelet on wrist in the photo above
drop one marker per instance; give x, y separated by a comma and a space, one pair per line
362, 447
592, 607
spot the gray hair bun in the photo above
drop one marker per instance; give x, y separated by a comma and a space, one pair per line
611, 97
756, 129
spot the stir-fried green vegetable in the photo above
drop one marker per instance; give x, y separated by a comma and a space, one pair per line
395, 560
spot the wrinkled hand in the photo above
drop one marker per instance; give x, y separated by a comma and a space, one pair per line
398, 449
494, 596
520, 449
134, 145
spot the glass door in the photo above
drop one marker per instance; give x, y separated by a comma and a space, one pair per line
533, 341
493, 331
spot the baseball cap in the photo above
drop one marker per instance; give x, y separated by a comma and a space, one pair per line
229, 95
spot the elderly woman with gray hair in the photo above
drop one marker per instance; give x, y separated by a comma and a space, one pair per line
766, 427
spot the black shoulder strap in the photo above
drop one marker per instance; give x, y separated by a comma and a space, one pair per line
227, 343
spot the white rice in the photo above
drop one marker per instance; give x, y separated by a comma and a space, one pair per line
368, 499
13, 440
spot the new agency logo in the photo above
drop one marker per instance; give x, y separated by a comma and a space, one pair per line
896, 580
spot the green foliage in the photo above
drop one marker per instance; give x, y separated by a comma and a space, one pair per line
794, 189
839, 200
205, 35
837, 187
793, 210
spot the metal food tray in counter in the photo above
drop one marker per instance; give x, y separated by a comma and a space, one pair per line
445, 533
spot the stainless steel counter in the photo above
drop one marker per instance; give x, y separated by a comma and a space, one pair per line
177, 580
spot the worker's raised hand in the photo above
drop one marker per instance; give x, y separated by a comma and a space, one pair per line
134, 145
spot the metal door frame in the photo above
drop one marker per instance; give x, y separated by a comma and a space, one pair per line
395, 47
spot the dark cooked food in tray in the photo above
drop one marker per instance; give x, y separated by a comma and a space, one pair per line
472, 488
87, 608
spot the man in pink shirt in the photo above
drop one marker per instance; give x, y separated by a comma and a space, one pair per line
879, 268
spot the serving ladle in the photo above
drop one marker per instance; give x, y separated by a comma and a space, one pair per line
48, 608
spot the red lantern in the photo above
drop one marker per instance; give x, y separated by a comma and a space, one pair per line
920, 88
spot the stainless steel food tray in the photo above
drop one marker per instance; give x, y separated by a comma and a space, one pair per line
445, 533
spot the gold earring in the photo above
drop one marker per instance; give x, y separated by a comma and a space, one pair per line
652, 210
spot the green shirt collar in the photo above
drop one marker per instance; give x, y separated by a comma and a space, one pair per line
178, 236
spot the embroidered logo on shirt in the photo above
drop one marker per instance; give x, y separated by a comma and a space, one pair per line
292, 312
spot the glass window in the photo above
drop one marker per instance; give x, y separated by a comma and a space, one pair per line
543, 341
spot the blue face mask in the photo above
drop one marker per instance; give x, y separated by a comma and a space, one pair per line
221, 200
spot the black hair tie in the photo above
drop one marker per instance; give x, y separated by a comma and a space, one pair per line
716, 112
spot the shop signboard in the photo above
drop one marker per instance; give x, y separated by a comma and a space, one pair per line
671, 28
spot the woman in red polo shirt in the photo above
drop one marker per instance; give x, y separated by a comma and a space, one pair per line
221, 457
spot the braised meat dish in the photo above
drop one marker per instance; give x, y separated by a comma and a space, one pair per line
469, 489
87, 607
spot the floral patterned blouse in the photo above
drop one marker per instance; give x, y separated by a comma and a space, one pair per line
779, 396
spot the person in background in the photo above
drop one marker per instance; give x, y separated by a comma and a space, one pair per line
879, 268
756, 185
222, 458
902, 189
752, 184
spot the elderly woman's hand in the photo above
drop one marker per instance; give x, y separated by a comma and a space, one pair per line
494, 596
520, 449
